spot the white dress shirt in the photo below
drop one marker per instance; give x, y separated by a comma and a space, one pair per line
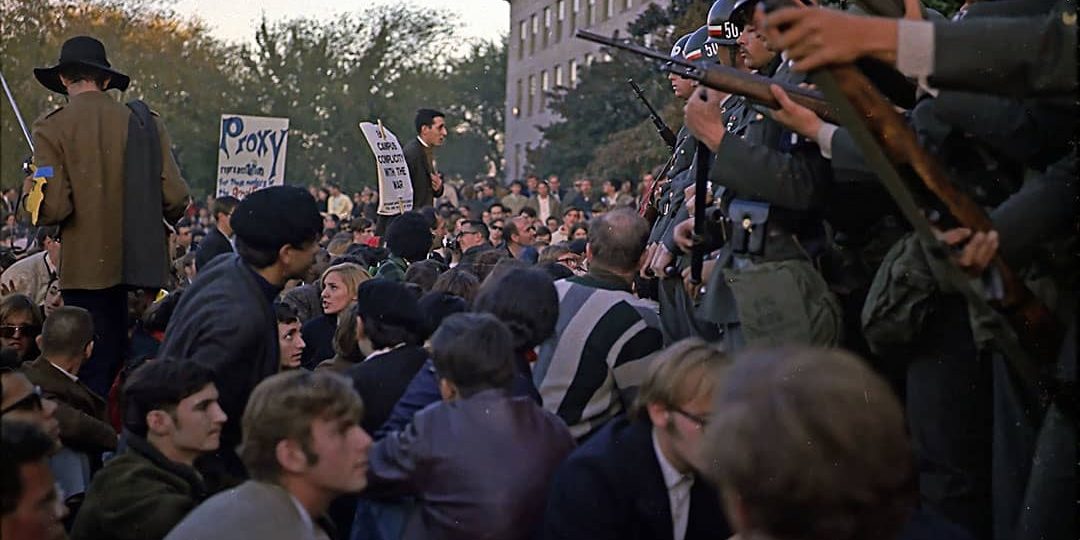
678, 488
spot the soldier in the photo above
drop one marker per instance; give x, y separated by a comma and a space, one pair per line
677, 307
109, 182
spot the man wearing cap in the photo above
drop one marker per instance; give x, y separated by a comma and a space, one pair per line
110, 181
226, 320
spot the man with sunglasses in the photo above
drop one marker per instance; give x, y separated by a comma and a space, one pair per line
66, 342
23, 401
472, 239
636, 477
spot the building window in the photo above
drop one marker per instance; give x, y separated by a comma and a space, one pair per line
523, 30
516, 168
517, 99
560, 16
590, 16
573, 72
610, 8
532, 95
628, 4
545, 87
535, 25
559, 76
547, 26
574, 15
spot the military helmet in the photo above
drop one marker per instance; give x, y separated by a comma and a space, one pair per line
723, 30
698, 47
679, 46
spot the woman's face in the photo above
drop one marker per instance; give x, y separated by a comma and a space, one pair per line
581, 234
335, 295
17, 331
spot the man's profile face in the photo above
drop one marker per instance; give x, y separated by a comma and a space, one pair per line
435, 134
681, 427
39, 511
342, 447
682, 87
199, 420
183, 236
469, 237
299, 260
753, 49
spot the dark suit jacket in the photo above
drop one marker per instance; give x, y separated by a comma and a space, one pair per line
213, 245
420, 170
80, 412
612, 487
382, 380
480, 466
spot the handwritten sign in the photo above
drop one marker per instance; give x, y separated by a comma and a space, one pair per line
251, 154
395, 185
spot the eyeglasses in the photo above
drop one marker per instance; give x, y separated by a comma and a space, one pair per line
699, 421
31, 402
14, 331
496, 228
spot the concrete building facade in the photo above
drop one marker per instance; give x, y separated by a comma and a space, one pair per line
542, 54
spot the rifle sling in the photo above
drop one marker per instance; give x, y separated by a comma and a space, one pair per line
951, 275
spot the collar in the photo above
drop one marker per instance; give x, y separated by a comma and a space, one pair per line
49, 264
384, 351
269, 290
304, 515
422, 143
672, 477
599, 278
142, 446
64, 371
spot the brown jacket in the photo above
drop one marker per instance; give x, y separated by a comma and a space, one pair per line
79, 411
84, 143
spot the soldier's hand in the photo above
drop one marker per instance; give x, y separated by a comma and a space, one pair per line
661, 261
694, 290
684, 235
688, 198
794, 116
978, 252
704, 118
816, 37
646, 269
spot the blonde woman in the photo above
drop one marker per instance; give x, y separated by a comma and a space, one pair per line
338, 285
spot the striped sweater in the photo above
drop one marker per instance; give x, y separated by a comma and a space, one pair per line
589, 370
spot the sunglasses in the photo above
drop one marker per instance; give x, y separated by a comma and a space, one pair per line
13, 331
32, 402
496, 228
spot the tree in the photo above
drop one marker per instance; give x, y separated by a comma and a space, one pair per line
476, 90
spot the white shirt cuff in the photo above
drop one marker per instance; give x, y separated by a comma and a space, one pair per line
915, 48
824, 139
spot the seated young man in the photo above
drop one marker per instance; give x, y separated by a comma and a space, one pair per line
635, 478
304, 447
480, 462
172, 417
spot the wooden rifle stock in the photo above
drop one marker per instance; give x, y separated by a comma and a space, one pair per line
1037, 329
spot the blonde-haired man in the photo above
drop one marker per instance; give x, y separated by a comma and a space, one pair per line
635, 478
303, 447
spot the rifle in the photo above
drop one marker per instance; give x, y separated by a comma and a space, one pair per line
661, 127
701, 183
725, 79
891, 147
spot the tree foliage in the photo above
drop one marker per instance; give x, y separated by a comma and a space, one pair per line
324, 75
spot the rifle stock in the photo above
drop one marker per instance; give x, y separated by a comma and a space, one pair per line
725, 79
1038, 331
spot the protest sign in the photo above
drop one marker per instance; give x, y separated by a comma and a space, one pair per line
251, 154
395, 185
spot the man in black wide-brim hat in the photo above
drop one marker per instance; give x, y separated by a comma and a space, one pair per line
110, 180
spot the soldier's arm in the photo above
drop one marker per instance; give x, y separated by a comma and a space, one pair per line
798, 179
174, 190
57, 204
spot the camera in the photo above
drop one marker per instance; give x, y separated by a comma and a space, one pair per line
451, 243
